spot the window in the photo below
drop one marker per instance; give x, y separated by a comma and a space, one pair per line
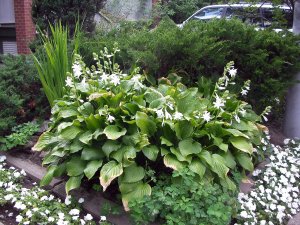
7, 14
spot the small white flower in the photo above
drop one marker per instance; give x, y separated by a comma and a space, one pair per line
206, 116
51, 219
110, 118
68, 200
244, 214
232, 72
168, 115
219, 102
77, 70
88, 217
160, 113
19, 218
2, 158
115, 79
10, 214
29, 214
81, 200
244, 92
102, 218
74, 212
178, 116
16, 174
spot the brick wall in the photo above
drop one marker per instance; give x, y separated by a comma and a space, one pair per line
25, 30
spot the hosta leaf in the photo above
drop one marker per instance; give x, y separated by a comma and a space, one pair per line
86, 109
229, 159
133, 174
92, 168
73, 183
86, 137
63, 125
219, 166
166, 142
245, 161
129, 155
113, 132
172, 162
187, 101
109, 172
70, 133
137, 191
60, 170
228, 183
97, 133
236, 133
145, 123
50, 159
45, 140
66, 113
157, 103
110, 146
91, 153
178, 154
48, 176
197, 167
75, 166
76, 146
189, 146
242, 144
183, 129
206, 157
151, 152
92, 123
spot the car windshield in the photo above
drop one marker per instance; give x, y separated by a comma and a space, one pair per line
209, 13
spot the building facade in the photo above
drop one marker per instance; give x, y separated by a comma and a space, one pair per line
16, 27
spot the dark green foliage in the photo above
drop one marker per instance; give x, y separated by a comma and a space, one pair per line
267, 58
183, 200
20, 135
180, 10
67, 11
21, 99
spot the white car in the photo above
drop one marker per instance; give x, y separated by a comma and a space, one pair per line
261, 15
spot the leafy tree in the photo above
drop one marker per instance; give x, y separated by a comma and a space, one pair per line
68, 11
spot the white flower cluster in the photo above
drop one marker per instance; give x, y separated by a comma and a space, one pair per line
37, 206
276, 195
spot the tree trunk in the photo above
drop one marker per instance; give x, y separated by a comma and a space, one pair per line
296, 22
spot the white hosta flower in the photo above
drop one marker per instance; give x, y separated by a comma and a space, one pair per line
160, 113
168, 115
84, 84
137, 85
115, 79
219, 102
178, 116
104, 77
237, 118
232, 72
77, 70
244, 92
206, 116
69, 82
110, 118
88, 217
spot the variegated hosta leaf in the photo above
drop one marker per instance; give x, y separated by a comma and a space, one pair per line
133, 191
133, 174
92, 168
218, 166
109, 172
197, 167
151, 152
172, 162
73, 183
242, 144
145, 123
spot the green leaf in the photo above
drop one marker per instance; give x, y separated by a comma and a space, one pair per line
145, 123
66, 113
236, 133
133, 191
86, 109
109, 172
219, 166
73, 183
76, 146
46, 139
183, 129
245, 161
172, 162
60, 170
166, 142
133, 174
63, 125
92, 123
92, 168
242, 144
206, 156
229, 159
113, 132
86, 137
110, 146
75, 167
48, 176
189, 146
197, 167
151, 152
70, 133
91, 153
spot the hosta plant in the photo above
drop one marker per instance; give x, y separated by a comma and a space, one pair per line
113, 126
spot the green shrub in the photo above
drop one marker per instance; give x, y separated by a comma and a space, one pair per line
183, 199
112, 123
267, 58
20, 135
21, 99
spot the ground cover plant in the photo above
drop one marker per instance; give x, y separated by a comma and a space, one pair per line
20, 135
37, 206
267, 58
275, 198
112, 125
21, 98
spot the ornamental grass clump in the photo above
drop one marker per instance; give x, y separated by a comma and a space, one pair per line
114, 127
